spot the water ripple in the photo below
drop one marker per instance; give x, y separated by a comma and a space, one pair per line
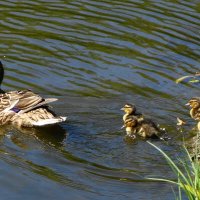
97, 55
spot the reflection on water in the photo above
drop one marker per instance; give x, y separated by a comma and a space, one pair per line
54, 135
95, 56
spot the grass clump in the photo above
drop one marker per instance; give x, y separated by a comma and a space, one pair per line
188, 176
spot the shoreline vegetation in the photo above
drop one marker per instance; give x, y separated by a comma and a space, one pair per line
187, 170
187, 173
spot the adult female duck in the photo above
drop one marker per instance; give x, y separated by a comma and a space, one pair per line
25, 108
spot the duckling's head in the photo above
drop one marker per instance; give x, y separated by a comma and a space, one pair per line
194, 102
129, 108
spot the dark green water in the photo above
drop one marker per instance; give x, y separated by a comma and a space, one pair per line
95, 56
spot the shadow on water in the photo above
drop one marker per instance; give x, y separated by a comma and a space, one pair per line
52, 135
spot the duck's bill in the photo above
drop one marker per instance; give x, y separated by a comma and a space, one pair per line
187, 104
121, 108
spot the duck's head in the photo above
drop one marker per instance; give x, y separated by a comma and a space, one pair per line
129, 108
194, 103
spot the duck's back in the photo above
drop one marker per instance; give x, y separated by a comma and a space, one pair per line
147, 128
26, 108
25, 99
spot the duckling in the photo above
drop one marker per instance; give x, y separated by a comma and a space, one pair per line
194, 104
25, 108
135, 123
130, 124
148, 129
144, 128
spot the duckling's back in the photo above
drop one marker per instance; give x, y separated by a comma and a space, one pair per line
148, 129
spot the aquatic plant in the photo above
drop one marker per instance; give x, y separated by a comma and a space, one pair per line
188, 175
192, 78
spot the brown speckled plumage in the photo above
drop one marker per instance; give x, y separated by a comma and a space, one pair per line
25, 108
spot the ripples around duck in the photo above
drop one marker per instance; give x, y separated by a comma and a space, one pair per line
95, 56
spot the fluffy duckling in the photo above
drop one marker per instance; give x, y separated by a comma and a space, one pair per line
194, 104
144, 128
136, 123
148, 129
25, 108
130, 124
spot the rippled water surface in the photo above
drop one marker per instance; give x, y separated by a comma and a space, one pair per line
95, 56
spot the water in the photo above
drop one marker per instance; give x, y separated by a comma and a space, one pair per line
95, 56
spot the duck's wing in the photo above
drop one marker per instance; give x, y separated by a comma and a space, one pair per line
43, 102
36, 117
26, 101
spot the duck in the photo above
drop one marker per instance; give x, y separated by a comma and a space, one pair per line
136, 124
130, 124
24, 108
194, 104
